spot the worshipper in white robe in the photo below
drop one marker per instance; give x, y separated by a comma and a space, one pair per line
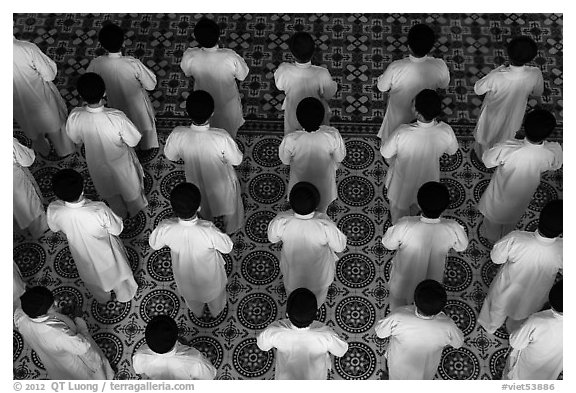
108, 137
37, 105
18, 286
92, 230
209, 154
313, 153
127, 80
301, 79
196, 248
163, 357
303, 345
423, 243
519, 165
537, 346
216, 70
27, 204
310, 241
405, 78
507, 89
530, 262
64, 346
418, 334
413, 152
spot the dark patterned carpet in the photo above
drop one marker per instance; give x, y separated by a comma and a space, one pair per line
356, 48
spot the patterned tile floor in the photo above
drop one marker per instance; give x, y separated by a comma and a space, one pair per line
356, 48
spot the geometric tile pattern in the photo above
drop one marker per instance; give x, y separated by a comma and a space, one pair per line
356, 300
356, 49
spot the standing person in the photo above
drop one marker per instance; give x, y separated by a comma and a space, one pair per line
37, 105
301, 79
313, 153
64, 346
530, 262
303, 345
216, 70
196, 248
92, 230
209, 155
537, 346
27, 204
413, 152
310, 241
507, 89
519, 165
109, 137
418, 334
127, 80
405, 78
163, 357
422, 243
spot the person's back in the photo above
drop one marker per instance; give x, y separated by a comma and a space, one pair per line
405, 78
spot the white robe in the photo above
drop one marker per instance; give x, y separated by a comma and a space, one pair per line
416, 342
215, 70
520, 164
27, 199
530, 263
413, 152
422, 244
197, 263
301, 80
208, 155
404, 79
537, 348
37, 105
314, 157
181, 362
109, 137
301, 353
507, 89
92, 231
309, 246
127, 80
18, 286
65, 347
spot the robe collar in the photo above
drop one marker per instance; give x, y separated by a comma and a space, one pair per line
75, 205
417, 59
213, 49
544, 239
426, 125
204, 127
556, 314
429, 220
171, 352
528, 143
422, 316
94, 110
304, 216
188, 223
514, 68
115, 54
304, 65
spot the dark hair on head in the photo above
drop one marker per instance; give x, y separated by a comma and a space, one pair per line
421, 39
304, 198
539, 124
199, 106
555, 296
91, 87
428, 104
430, 297
36, 301
522, 50
206, 32
67, 185
551, 220
111, 37
302, 46
185, 199
310, 113
161, 333
433, 198
301, 307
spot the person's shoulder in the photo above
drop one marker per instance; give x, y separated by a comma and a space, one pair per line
57, 204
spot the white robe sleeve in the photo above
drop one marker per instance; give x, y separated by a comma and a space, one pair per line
338, 147
538, 89
337, 346
452, 142
558, 155
230, 152
44, 65
171, 150
390, 147
240, 68
385, 80
72, 129
444, 80
75, 343
128, 132
460, 238
385, 327
286, 149
502, 249
110, 221
144, 75
265, 340
220, 241
456, 336
276, 228
279, 77
392, 239
202, 368
484, 85
185, 62
22, 154
336, 239
50, 219
156, 239
328, 86
523, 336
91, 66
494, 156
